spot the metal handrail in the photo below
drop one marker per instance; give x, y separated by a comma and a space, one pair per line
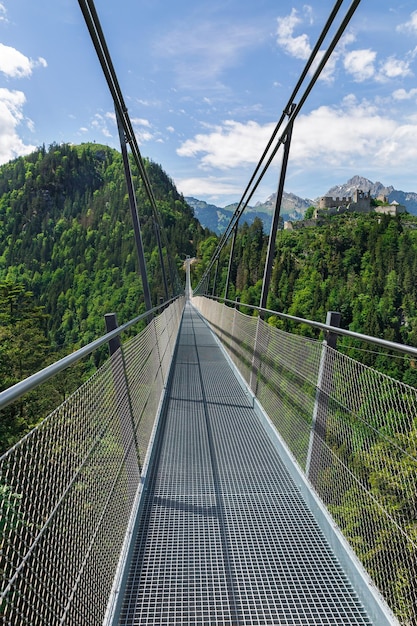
28, 384
349, 428
390, 345
24, 386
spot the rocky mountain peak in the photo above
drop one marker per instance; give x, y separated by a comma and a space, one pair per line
359, 182
293, 207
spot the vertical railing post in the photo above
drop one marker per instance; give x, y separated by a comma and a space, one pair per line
324, 385
253, 380
275, 219
123, 400
135, 216
229, 268
213, 291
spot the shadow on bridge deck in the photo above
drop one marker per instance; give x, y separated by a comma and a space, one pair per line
225, 536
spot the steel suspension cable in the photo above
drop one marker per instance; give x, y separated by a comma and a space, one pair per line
291, 117
96, 32
291, 99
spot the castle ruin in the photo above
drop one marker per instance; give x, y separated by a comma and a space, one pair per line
359, 203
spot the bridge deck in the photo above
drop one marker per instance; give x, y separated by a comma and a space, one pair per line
226, 537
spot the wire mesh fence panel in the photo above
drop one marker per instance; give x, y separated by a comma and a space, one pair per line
56, 484
238, 339
67, 490
163, 343
353, 432
166, 347
145, 384
367, 474
286, 376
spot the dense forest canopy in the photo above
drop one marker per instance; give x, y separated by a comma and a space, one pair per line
360, 265
67, 235
68, 257
67, 251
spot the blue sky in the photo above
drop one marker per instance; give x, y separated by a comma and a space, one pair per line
206, 82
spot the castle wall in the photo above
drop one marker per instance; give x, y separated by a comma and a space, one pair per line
327, 202
392, 209
360, 203
300, 224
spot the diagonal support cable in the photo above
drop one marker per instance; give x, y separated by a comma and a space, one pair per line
135, 217
94, 27
254, 182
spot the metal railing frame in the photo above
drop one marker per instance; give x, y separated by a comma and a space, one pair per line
326, 328
255, 367
28, 384
125, 427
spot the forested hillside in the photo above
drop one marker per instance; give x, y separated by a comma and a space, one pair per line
67, 256
66, 235
363, 266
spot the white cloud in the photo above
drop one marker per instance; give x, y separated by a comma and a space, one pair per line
99, 123
411, 25
139, 121
209, 186
402, 94
231, 145
400, 148
354, 134
299, 46
327, 73
296, 46
348, 133
360, 64
105, 123
357, 135
14, 64
11, 115
40, 62
394, 68
3, 12
142, 136
148, 103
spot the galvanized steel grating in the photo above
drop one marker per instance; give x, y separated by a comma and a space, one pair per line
225, 536
352, 431
67, 489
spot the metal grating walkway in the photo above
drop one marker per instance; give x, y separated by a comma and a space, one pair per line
225, 536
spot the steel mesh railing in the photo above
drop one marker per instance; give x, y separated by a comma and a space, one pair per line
352, 430
67, 489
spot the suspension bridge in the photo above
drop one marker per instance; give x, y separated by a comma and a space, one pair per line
215, 469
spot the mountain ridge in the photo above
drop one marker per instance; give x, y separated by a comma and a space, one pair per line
293, 206
216, 218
